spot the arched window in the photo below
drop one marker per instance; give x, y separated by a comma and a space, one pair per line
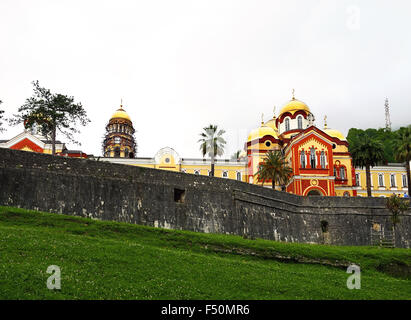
126, 153
287, 124
225, 174
239, 176
300, 122
302, 159
393, 180
342, 173
380, 180
322, 159
197, 172
312, 158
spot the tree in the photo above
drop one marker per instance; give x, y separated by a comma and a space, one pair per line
51, 112
402, 148
366, 152
212, 143
397, 206
275, 168
236, 155
383, 135
1, 117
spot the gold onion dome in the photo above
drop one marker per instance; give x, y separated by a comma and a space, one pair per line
335, 134
294, 105
120, 113
332, 132
261, 132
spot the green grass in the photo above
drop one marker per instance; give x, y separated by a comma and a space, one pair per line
109, 260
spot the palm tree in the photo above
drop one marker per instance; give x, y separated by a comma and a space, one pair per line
402, 149
274, 168
236, 155
212, 143
367, 153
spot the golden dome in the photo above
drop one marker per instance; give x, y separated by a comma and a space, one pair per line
262, 132
120, 113
335, 134
271, 123
293, 106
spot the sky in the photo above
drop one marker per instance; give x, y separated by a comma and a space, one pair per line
182, 65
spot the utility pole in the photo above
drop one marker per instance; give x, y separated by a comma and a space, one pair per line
387, 115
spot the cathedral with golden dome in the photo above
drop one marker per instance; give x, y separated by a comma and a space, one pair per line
319, 158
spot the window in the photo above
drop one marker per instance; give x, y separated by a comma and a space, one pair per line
357, 179
322, 159
300, 122
117, 140
287, 124
302, 159
342, 173
239, 176
380, 179
179, 195
197, 172
209, 173
312, 158
117, 152
393, 180
324, 225
335, 171
268, 143
404, 181
126, 152
225, 174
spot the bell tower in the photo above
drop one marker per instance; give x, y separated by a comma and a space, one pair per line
119, 139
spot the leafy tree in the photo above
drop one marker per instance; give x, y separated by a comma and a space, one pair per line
402, 147
366, 152
51, 112
1, 117
212, 143
275, 168
397, 206
383, 135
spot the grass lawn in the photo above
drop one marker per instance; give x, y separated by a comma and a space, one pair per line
109, 260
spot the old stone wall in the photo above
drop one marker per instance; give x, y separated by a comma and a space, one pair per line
108, 191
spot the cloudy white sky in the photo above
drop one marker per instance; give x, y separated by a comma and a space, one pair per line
181, 65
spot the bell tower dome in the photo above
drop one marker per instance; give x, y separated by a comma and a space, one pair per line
119, 139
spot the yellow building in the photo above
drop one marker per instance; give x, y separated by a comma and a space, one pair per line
385, 180
168, 159
319, 158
